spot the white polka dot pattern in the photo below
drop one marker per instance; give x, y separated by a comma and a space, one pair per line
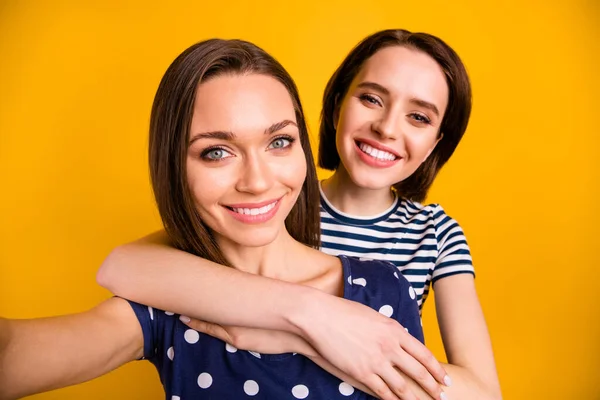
251, 388
411, 293
346, 389
360, 281
255, 354
191, 336
205, 380
300, 391
230, 348
386, 310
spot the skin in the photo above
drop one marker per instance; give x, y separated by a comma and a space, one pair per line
260, 159
396, 103
241, 167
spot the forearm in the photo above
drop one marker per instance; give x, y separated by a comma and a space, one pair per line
48, 353
466, 339
155, 274
467, 386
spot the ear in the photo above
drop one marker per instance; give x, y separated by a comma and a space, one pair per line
432, 147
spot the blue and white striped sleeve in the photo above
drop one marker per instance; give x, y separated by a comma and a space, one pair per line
454, 256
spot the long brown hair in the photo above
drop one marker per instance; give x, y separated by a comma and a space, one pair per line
453, 125
169, 135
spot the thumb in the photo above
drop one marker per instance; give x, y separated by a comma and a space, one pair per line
214, 330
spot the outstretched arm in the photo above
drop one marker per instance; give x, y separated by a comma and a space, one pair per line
43, 354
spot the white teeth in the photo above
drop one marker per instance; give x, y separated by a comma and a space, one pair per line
255, 211
378, 154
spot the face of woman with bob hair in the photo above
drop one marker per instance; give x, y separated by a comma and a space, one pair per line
389, 120
394, 112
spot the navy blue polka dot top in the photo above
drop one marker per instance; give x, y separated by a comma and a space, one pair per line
193, 365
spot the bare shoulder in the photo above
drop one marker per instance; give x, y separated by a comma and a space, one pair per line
325, 272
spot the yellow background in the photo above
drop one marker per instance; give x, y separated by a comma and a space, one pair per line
77, 80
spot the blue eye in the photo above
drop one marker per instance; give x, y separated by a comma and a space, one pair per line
215, 154
281, 143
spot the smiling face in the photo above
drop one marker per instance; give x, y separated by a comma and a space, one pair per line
245, 164
388, 122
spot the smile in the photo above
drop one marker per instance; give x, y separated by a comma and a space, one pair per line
378, 154
254, 213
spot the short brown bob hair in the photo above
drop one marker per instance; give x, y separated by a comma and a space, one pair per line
453, 125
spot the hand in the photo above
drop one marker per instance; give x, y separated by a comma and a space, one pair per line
369, 347
268, 342
273, 342
259, 340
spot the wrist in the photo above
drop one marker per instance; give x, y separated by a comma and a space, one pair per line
305, 308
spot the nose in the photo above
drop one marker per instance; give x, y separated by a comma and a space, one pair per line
256, 175
387, 125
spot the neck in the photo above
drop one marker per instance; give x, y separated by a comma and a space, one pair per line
277, 260
346, 196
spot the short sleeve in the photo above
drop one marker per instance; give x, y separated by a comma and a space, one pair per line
454, 256
151, 321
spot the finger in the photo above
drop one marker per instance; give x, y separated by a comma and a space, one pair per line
214, 330
381, 390
414, 370
424, 356
397, 384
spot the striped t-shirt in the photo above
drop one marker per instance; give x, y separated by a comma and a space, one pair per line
423, 242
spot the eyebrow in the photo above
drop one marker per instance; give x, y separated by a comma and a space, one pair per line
230, 136
414, 100
374, 86
425, 104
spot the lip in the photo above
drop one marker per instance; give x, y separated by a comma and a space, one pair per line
253, 205
372, 161
254, 219
378, 146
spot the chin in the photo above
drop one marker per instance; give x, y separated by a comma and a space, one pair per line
256, 237
371, 181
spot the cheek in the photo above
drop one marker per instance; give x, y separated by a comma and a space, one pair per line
291, 171
208, 184
350, 116
355, 119
419, 144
